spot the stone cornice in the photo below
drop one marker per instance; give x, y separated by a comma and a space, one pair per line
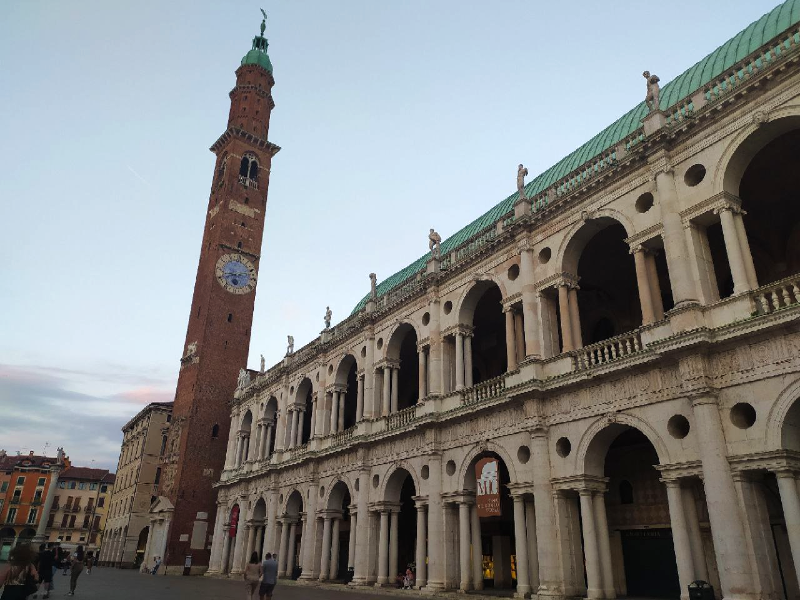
232, 132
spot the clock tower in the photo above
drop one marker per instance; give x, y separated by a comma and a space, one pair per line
218, 334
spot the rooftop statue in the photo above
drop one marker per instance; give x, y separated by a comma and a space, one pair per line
263, 22
263, 365
328, 315
522, 173
244, 379
373, 282
653, 91
290, 347
434, 244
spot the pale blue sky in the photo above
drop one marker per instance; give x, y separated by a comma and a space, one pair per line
393, 117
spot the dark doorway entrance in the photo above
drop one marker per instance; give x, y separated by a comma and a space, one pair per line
650, 566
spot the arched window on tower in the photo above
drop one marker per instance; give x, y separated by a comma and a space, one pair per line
248, 171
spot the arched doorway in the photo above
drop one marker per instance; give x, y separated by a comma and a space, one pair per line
271, 418
141, 546
231, 530
259, 522
338, 537
344, 406
484, 354
243, 452
402, 352
398, 526
627, 532
301, 415
491, 558
291, 537
26, 536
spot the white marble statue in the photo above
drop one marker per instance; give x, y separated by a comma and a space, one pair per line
434, 244
290, 345
653, 91
522, 172
328, 316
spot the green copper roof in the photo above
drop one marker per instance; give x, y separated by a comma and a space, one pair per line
258, 55
744, 43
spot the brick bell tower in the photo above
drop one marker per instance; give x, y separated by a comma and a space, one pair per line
218, 334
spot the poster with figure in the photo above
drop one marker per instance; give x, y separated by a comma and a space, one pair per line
234, 523
487, 477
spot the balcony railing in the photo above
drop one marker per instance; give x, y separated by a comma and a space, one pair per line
608, 350
343, 436
401, 418
491, 388
298, 450
247, 182
775, 296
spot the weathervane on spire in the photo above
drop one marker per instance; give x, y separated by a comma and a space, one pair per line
263, 22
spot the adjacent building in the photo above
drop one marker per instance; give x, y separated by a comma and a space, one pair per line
80, 506
24, 483
126, 531
592, 390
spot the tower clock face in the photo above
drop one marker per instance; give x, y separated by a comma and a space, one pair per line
236, 273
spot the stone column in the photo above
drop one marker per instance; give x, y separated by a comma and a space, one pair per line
603, 544
436, 579
335, 412
292, 426
351, 542
643, 284
511, 343
230, 454
747, 255
313, 425
262, 441
680, 536
238, 450
362, 531
360, 399
300, 422
387, 391
324, 565
395, 388
423, 373
567, 344
342, 398
41, 534
421, 547
575, 318
310, 535
459, 361
530, 306
519, 336
240, 541
270, 534
730, 545
334, 549
550, 580
594, 576
680, 275
284, 548
393, 542
383, 550
695, 538
291, 549
468, 360
251, 542
463, 547
477, 550
787, 487
521, 547
226, 549
533, 556
655, 286
371, 405
733, 249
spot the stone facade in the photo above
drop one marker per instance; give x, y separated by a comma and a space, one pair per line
137, 485
626, 345
77, 515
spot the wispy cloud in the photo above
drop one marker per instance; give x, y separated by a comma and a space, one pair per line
59, 407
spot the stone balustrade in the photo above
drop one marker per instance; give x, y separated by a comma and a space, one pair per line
775, 296
401, 418
298, 451
343, 437
246, 181
492, 388
608, 350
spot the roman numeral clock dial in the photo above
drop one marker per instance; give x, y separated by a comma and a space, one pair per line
236, 274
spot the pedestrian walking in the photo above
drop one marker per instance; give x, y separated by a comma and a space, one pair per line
76, 568
65, 561
156, 564
20, 580
269, 576
89, 562
45, 566
252, 575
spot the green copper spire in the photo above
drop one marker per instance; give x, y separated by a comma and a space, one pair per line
258, 55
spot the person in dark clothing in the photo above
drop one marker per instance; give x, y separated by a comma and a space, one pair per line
269, 576
45, 568
77, 567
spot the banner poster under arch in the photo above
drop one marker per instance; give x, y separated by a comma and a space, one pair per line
234, 521
487, 476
